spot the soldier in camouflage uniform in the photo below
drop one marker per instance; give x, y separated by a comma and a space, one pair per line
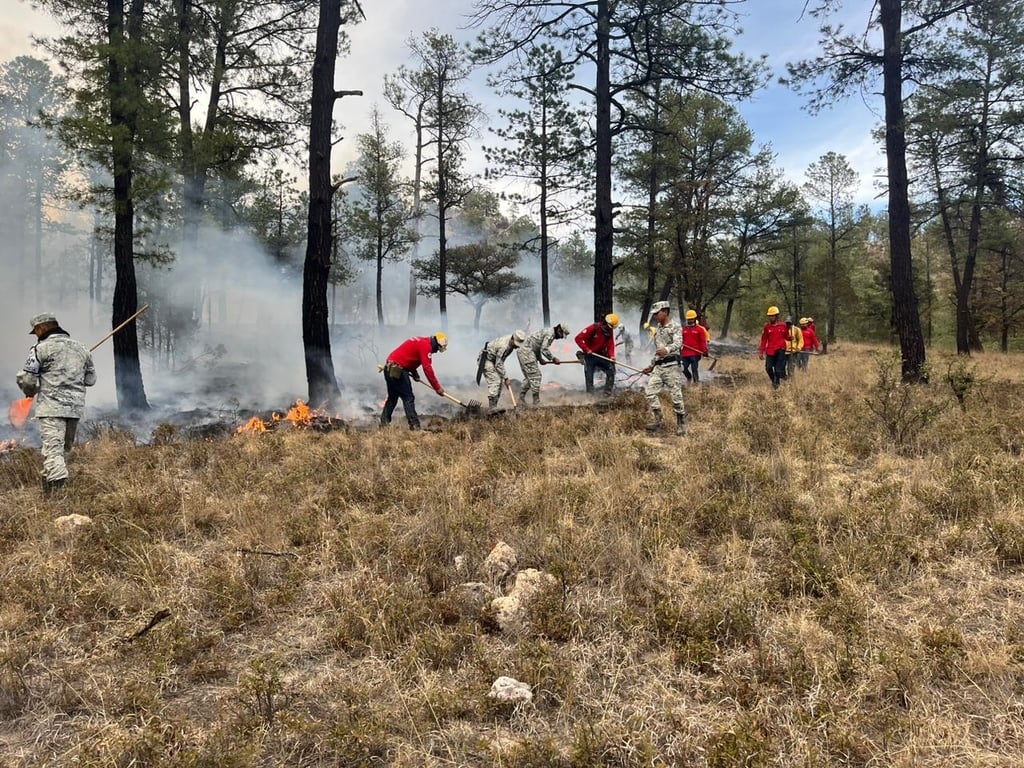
56, 373
534, 352
664, 368
491, 363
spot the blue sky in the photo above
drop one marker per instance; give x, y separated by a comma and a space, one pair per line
772, 27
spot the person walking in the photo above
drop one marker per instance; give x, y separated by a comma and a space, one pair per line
400, 371
773, 348
794, 343
664, 369
695, 346
624, 340
599, 339
56, 373
491, 364
811, 343
534, 352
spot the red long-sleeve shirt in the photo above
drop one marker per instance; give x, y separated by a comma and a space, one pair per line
414, 352
695, 340
811, 339
595, 339
773, 338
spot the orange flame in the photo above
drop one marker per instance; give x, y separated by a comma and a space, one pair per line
253, 426
300, 415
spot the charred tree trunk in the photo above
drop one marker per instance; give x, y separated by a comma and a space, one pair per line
545, 302
316, 332
603, 234
652, 202
905, 316
417, 207
125, 98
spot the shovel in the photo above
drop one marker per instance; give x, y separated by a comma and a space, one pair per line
18, 411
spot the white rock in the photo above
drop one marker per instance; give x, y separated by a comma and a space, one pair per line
68, 523
510, 689
510, 610
500, 563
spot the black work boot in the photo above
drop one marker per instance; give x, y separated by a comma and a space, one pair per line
657, 424
680, 424
492, 402
536, 398
414, 424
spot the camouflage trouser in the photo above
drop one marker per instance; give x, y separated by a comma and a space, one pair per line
666, 377
531, 372
495, 382
58, 435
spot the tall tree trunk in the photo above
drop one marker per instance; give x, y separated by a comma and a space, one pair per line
37, 216
417, 186
316, 333
545, 303
124, 34
380, 271
905, 316
442, 211
652, 203
603, 269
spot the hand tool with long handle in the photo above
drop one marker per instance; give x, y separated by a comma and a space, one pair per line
510, 393
714, 360
616, 362
18, 411
472, 405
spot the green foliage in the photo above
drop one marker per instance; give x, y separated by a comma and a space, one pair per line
902, 410
261, 693
480, 272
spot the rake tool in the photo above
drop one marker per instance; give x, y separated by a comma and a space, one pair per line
471, 406
714, 360
18, 411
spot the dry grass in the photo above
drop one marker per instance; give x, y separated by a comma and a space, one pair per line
829, 575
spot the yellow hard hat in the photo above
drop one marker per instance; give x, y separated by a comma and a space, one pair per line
612, 319
803, 321
442, 341
773, 311
691, 314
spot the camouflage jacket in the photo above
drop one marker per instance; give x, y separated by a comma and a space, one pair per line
497, 352
57, 372
539, 343
669, 336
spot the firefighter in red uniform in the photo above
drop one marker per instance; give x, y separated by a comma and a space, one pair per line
811, 343
773, 347
400, 371
599, 339
695, 346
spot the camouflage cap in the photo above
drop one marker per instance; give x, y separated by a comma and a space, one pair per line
43, 317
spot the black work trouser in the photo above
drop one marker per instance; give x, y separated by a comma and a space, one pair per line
591, 364
400, 388
775, 367
691, 367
